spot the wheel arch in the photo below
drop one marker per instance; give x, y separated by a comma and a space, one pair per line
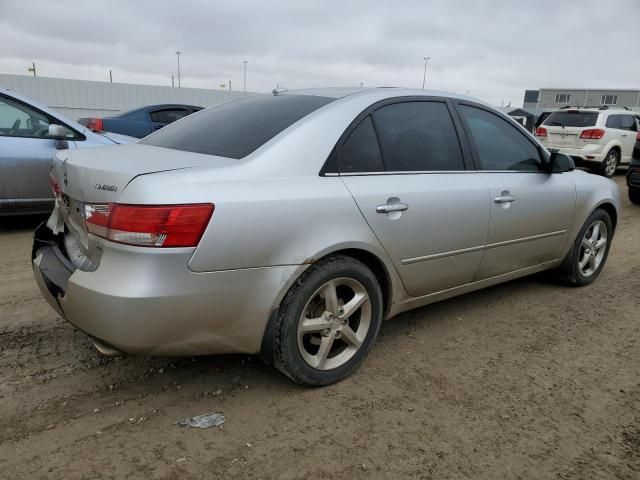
611, 210
384, 273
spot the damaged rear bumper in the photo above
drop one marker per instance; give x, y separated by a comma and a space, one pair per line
146, 301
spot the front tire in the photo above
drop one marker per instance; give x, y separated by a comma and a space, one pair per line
634, 195
587, 257
327, 322
610, 163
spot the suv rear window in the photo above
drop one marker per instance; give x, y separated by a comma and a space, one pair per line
237, 128
572, 119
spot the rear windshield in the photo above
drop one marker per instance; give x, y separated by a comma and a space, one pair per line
572, 119
237, 128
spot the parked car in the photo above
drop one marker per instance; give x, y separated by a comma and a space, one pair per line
292, 224
633, 175
140, 121
601, 139
30, 135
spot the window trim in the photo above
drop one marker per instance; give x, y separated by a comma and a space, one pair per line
331, 165
542, 154
52, 120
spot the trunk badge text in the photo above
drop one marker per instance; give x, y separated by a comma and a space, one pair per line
108, 188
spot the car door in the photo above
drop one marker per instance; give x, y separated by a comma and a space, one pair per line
531, 209
26, 153
407, 171
163, 117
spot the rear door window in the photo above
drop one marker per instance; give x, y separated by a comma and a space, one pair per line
237, 128
500, 145
627, 122
360, 152
572, 119
418, 137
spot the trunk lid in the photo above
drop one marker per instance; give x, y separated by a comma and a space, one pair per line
564, 136
99, 175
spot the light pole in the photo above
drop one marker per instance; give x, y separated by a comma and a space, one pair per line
178, 53
424, 76
244, 88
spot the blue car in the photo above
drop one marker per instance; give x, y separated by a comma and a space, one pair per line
141, 121
30, 136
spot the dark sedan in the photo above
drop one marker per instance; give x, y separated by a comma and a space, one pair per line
141, 121
633, 175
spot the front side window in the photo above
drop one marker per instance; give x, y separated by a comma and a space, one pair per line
500, 145
418, 136
360, 152
18, 120
563, 98
609, 100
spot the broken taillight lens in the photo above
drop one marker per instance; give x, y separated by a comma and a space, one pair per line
149, 225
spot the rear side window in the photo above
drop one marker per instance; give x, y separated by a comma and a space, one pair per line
418, 136
360, 152
572, 119
237, 128
500, 145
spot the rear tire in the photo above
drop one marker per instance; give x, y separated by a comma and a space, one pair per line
327, 322
589, 252
634, 195
610, 163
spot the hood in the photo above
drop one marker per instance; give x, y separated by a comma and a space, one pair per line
101, 174
118, 138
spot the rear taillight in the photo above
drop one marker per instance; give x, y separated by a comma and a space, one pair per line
638, 137
541, 132
94, 124
592, 134
149, 225
55, 186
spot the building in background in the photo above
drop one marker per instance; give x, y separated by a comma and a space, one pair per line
83, 98
560, 97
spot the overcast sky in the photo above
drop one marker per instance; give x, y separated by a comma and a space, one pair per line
491, 49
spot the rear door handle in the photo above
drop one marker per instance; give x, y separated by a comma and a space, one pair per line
504, 198
395, 207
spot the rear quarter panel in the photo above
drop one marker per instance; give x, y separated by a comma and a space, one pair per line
265, 221
592, 191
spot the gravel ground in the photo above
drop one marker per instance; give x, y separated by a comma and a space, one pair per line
523, 380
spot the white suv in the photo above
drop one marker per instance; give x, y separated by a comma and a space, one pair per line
598, 138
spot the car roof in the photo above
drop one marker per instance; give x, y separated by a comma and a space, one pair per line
379, 93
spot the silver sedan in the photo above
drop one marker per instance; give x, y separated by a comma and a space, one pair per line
291, 224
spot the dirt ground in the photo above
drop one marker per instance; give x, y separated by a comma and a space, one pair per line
527, 380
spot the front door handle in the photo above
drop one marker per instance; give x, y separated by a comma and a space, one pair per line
504, 198
394, 207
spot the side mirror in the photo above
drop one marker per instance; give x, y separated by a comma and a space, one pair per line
59, 134
57, 131
559, 162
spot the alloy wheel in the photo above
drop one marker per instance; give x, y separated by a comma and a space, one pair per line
334, 323
611, 163
593, 248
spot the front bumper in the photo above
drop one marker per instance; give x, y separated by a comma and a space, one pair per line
146, 301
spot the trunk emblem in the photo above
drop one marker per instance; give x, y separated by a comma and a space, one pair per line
107, 188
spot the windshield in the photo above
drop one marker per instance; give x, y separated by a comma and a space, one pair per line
572, 119
237, 128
